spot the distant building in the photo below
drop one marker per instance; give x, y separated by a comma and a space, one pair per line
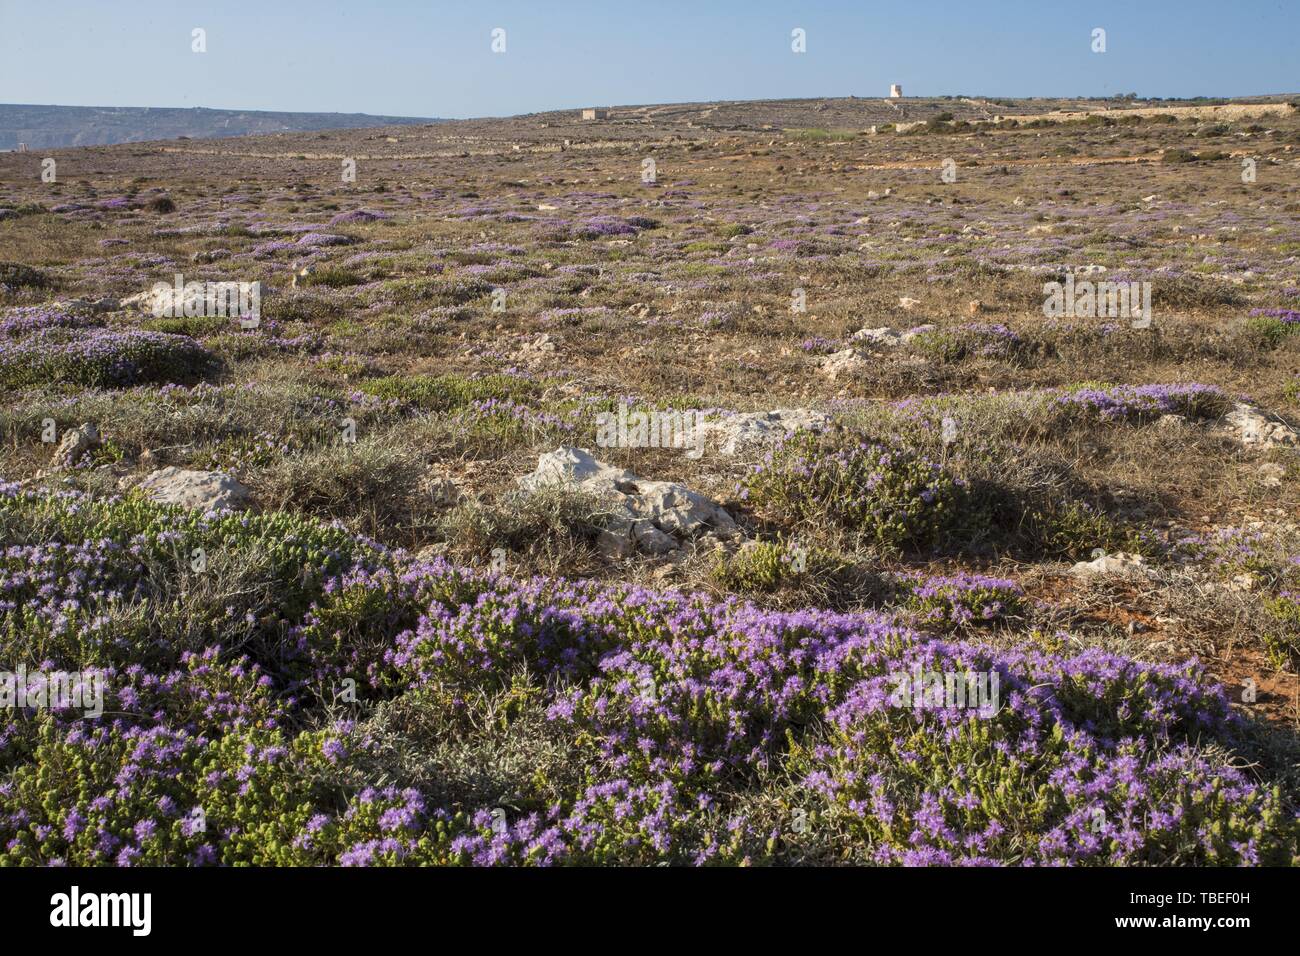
595, 114
22, 147
895, 91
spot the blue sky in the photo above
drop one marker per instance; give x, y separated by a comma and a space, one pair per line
434, 58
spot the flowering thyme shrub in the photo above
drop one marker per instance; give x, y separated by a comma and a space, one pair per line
317, 239
508, 422
1041, 783
954, 600
99, 358
358, 216
987, 340
817, 345
1231, 551
16, 323
889, 495
1289, 317
602, 226
193, 326
1144, 402
221, 741
114, 573
49, 587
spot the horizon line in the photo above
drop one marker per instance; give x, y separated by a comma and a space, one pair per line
561, 109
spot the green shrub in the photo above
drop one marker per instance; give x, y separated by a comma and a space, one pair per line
704, 245
127, 565
763, 567
886, 494
1268, 332
193, 326
430, 290
1192, 292
369, 480
819, 134
1282, 639
1074, 529
21, 210
970, 340
333, 277
24, 277
442, 393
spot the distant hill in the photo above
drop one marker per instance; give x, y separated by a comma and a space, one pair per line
51, 127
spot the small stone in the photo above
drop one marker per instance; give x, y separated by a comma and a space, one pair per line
445, 492
878, 336
1244, 582
1251, 425
536, 347
651, 540
1120, 564
76, 444
1271, 474
846, 364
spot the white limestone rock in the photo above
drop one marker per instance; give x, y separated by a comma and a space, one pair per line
1251, 425
642, 514
1118, 564
747, 430
203, 490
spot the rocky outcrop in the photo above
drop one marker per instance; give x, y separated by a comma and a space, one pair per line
650, 516
886, 336
748, 430
204, 490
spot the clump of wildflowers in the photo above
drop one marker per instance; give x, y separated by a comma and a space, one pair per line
1144, 402
100, 358
961, 599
